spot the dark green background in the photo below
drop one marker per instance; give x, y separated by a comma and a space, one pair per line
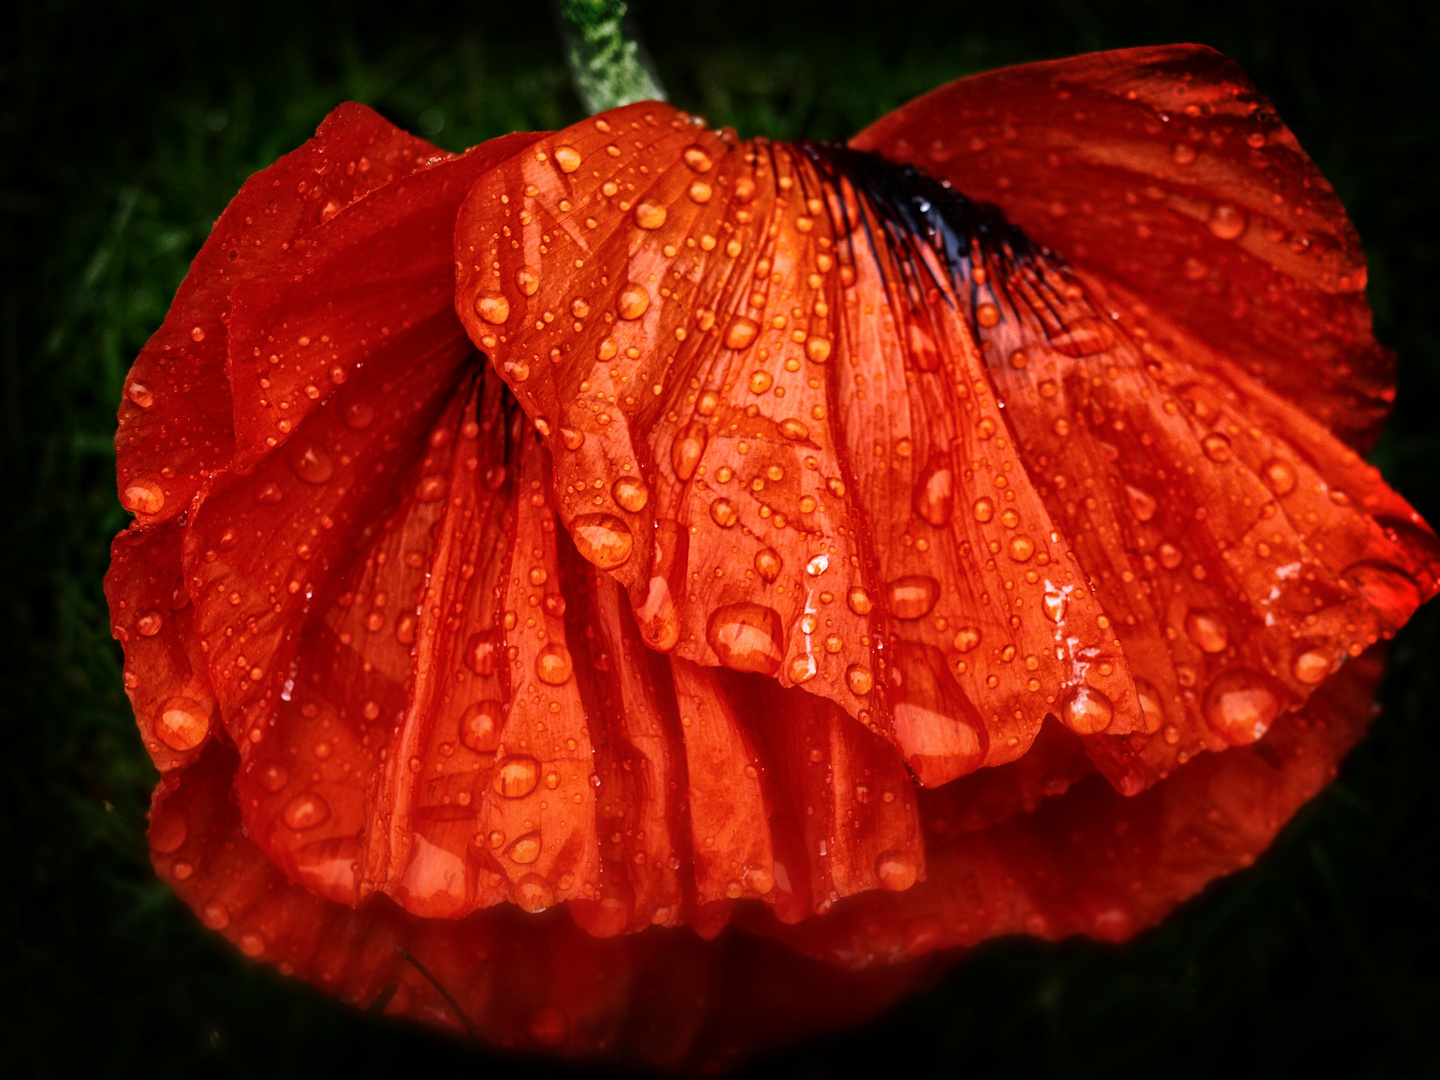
125, 128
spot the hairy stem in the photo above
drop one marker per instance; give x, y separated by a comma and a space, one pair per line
608, 63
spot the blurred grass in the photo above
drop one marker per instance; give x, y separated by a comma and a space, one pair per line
124, 130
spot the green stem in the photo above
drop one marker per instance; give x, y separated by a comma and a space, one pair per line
609, 65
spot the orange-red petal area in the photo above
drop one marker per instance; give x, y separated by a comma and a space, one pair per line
633, 593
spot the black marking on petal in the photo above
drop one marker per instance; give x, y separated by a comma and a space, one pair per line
915, 213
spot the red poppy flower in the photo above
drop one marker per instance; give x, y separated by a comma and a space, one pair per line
872, 548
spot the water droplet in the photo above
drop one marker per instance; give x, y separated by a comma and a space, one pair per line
1142, 503
741, 332
143, 497
768, 563
480, 653
553, 664
182, 869
1217, 447
1226, 222
700, 192
603, 539
567, 158
859, 600
649, 214
983, 509
525, 850
492, 307
1278, 476
1207, 630
934, 496
723, 513
140, 394
306, 811
1170, 555
687, 450
897, 870
480, 726
516, 777
273, 777
215, 915
197, 333
1152, 707
634, 302
817, 349
967, 638
802, 668
527, 280
697, 159
311, 464
148, 623
359, 415
1086, 711
912, 597
760, 381
1311, 667
252, 943
1021, 548
987, 315
1053, 604
533, 894
860, 679
630, 493
1240, 706
747, 637
1183, 153
182, 724
818, 565
1388, 589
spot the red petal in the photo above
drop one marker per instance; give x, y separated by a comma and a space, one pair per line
175, 416
1163, 170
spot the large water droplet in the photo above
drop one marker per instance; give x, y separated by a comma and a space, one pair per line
525, 850
897, 870
912, 597
1207, 630
1142, 503
603, 539
859, 601
630, 493
687, 450
935, 491
1086, 711
305, 811
516, 777
143, 497
553, 664
311, 463
492, 307
1311, 666
649, 214
1240, 706
480, 653
768, 563
533, 894
480, 726
1152, 706
747, 637
740, 333
1217, 447
1387, 589
1227, 222
567, 158
723, 513
1279, 476
182, 724
634, 302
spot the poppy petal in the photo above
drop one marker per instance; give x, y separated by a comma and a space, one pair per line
1163, 170
154, 621
176, 414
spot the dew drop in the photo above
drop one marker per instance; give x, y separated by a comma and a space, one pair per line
143, 497
215, 915
525, 850
859, 601
987, 315
802, 668
760, 381
687, 450
983, 509
747, 637
311, 464
700, 192
480, 726
1227, 222
768, 563
492, 307
897, 870
1207, 630
182, 724
305, 811
697, 159
1217, 447
934, 496
1279, 476
148, 623
603, 539
723, 513
967, 638
860, 679
516, 777
359, 415
527, 280
649, 214
1086, 711
630, 493
741, 332
1311, 667
553, 664
480, 653
1240, 706
912, 597
1142, 503
567, 158
1152, 706
1021, 548
634, 302
140, 394
817, 349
